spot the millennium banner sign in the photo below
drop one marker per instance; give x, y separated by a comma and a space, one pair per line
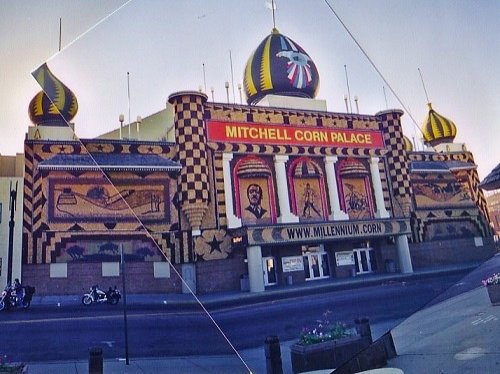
320, 232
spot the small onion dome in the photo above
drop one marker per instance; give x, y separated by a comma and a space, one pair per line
253, 167
408, 144
352, 167
438, 129
56, 104
279, 66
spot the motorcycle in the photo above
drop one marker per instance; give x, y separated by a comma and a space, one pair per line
9, 298
98, 296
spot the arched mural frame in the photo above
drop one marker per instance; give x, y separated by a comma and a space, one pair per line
355, 169
250, 167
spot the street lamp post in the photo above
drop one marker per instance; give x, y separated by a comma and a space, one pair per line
121, 118
12, 208
122, 265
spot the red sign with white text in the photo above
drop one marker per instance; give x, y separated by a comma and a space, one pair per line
236, 132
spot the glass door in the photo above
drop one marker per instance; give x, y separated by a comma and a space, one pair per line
316, 265
364, 258
269, 266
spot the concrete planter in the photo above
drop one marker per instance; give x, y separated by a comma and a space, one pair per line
494, 293
14, 368
325, 355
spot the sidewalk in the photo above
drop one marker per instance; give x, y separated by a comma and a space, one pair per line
459, 335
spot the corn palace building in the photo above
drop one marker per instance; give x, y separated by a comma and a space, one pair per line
243, 197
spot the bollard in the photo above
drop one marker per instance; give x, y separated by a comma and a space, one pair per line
95, 360
363, 328
273, 355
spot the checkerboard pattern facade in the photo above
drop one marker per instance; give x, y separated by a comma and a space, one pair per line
192, 154
397, 159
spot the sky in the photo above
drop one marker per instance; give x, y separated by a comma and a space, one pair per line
169, 46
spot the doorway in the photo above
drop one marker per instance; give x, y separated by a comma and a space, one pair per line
365, 261
269, 266
316, 265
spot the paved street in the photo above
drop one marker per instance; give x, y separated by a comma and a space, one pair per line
69, 330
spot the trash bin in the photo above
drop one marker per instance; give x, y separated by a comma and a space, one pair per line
244, 282
272, 350
95, 361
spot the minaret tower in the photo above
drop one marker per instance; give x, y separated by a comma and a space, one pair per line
192, 154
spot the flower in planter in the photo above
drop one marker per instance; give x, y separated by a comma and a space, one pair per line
324, 331
494, 279
7, 366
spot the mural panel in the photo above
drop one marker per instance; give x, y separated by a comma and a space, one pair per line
450, 230
438, 191
356, 198
108, 251
95, 200
309, 199
254, 199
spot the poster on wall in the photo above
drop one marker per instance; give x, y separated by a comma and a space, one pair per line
309, 199
344, 258
292, 263
356, 198
254, 200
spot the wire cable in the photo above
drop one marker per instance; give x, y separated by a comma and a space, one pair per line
373, 65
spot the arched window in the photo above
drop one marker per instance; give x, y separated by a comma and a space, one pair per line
254, 191
355, 189
307, 188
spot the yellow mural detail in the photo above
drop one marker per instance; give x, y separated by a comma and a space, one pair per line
213, 245
250, 86
38, 109
265, 67
59, 100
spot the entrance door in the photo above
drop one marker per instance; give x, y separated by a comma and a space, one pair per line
269, 266
316, 265
364, 259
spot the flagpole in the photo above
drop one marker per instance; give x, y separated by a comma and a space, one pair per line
128, 92
60, 33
